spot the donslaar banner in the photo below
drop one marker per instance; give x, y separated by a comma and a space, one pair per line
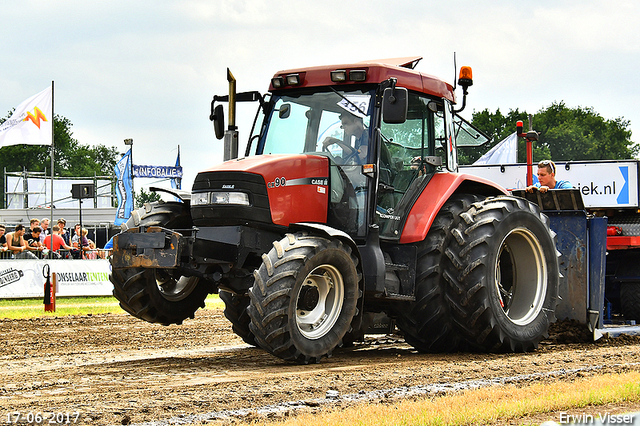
22, 278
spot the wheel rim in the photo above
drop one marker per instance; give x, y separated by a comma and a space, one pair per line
521, 276
319, 301
174, 289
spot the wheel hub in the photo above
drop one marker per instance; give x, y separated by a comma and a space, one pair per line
319, 301
309, 297
521, 277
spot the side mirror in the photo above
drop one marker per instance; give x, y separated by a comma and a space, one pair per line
218, 121
395, 105
284, 111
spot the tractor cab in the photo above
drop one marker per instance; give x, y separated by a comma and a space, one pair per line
383, 134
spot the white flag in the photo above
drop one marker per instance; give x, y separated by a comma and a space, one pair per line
31, 122
505, 152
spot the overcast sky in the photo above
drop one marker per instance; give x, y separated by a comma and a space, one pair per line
147, 70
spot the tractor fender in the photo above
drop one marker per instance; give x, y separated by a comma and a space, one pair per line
346, 239
440, 188
182, 194
329, 232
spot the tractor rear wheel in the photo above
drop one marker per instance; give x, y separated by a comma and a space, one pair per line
304, 297
159, 295
502, 275
426, 323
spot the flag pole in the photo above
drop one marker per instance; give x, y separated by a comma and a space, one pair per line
53, 122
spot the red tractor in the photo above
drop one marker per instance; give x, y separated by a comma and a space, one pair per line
347, 203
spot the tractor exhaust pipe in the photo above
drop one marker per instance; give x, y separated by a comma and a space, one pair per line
231, 134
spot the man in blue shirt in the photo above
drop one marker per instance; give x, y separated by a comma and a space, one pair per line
355, 145
547, 178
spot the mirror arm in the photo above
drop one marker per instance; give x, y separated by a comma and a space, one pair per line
393, 81
464, 101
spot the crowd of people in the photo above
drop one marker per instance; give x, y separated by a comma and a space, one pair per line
41, 241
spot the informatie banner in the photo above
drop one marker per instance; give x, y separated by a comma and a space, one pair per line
157, 171
23, 278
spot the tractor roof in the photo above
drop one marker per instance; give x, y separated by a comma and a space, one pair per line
376, 71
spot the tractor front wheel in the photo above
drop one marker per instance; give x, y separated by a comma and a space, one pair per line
159, 295
304, 297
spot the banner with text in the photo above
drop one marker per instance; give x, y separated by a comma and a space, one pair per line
172, 172
24, 278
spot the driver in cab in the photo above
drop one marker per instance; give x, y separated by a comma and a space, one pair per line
355, 144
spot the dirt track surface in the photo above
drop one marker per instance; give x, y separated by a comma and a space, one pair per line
115, 369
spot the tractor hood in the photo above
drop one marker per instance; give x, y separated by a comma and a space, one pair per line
270, 189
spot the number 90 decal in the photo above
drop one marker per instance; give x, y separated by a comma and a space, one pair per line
278, 182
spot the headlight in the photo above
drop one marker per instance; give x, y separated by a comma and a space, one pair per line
221, 197
200, 198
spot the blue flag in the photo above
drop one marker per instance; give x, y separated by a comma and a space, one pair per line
124, 189
176, 183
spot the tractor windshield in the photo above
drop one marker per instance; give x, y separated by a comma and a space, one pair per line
335, 124
303, 123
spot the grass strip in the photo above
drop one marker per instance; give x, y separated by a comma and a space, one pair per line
495, 405
34, 308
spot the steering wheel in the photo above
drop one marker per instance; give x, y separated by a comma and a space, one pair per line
325, 149
343, 160
352, 156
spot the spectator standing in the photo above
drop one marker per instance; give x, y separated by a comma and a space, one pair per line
92, 253
547, 178
44, 225
63, 232
17, 245
32, 224
33, 242
58, 242
86, 242
75, 238
4, 253
76, 242
79, 242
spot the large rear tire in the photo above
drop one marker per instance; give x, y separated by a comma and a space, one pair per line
304, 297
502, 275
159, 295
426, 323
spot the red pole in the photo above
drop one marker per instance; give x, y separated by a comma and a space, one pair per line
529, 163
529, 137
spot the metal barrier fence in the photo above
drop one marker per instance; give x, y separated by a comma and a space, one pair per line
91, 254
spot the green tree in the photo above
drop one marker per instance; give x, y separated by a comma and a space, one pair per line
583, 134
71, 157
566, 134
499, 126
146, 197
